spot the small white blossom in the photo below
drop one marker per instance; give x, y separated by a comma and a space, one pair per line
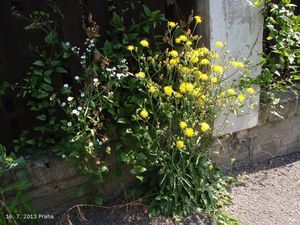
63, 104
76, 77
91, 144
76, 112
79, 108
96, 81
69, 124
66, 85
82, 95
70, 99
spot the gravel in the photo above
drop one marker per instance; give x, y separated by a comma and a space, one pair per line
270, 194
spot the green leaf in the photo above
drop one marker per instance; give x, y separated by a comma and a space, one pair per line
61, 70
98, 200
141, 178
38, 63
107, 48
121, 120
138, 170
42, 117
51, 38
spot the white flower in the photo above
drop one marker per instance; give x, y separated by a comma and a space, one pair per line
79, 108
63, 104
91, 144
67, 43
82, 95
96, 81
76, 112
69, 124
99, 142
76, 77
66, 85
70, 99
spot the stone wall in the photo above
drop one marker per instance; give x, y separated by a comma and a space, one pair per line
273, 136
55, 183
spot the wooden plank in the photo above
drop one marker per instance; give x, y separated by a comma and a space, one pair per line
71, 24
33, 5
100, 13
155, 5
10, 45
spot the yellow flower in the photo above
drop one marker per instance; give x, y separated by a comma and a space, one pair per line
152, 89
183, 38
182, 87
204, 62
174, 61
189, 132
189, 43
219, 44
168, 90
202, 51
214, 55
182, 124
214, 80
198, 19
250, 90
201, 102
130, 47
144, 43
194, 59
189, 87
141, 75
231, 91
177, 40
237, 64
204, 127
203, 76
144, 114
173, 53
185, 69
177, 95
196, 92
217, 69
180, 144
171, 24
241, 97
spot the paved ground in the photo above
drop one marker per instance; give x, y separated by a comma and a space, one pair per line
270, 194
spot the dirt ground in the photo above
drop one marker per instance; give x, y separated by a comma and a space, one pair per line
268, 195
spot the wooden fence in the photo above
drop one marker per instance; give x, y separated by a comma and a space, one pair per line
16, 57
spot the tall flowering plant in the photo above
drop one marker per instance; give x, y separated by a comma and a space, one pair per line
185, 89
160, 118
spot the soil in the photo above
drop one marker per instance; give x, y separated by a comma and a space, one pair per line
269, 195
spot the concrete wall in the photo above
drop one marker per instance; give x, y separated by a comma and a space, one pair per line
240, 25
272, 137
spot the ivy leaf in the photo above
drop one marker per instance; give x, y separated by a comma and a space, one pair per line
61, 70
38, 63
138, 170
121, 120
51, 38
41, 117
